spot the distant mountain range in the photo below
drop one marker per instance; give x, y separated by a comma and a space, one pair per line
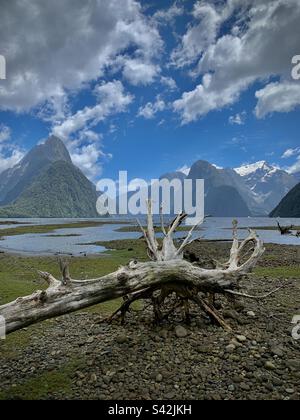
254, 189
267, 184
45, 183
289, 205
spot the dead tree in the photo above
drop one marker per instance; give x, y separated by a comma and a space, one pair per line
285, 230
166, 273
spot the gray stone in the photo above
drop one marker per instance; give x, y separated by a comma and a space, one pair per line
241, 338
244, 386
230, 348
293, 364
277, 351
270, 365
93, 377
180, 331
121, 339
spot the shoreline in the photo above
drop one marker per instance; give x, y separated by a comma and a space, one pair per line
113, 245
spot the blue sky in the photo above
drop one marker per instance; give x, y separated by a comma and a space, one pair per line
151, 87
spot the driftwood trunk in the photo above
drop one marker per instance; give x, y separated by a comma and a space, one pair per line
167, 272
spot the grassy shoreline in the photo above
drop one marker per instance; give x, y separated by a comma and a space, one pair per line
22, 230
268, 228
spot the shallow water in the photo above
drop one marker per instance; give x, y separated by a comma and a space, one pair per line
46, 244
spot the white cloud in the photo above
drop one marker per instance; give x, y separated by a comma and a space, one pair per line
295, 167
290, 153
11, 159
238, 119
149, 110
199, 36
277, 97
164, 16
87, 159
111, 98
261, 38
138, 72
169, 82
90, 136
10, 154
62, 45
83, 142
5, 133
203, 99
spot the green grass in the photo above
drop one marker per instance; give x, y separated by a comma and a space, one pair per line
13, 222
269, 228
18, 277
67, 235
156, 229
278, 272
21, 230
40, 386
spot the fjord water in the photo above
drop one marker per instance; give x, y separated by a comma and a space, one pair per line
82, 239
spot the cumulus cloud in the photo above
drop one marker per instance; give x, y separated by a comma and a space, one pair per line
295, 168
203, 33
203, 99
277, 97
87, 159
10, 154
149, 110
76, 130
138, 72
58, 46
169, 82
260, 39
111, 99
290, 153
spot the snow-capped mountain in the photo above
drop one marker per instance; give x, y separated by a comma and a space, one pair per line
251, 168
268, 184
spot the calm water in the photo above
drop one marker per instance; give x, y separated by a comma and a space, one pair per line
45, 244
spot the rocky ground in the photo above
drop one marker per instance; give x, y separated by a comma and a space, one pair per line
76, 357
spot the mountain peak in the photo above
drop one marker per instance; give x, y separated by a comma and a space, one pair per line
14, 180
250, 168
55, 149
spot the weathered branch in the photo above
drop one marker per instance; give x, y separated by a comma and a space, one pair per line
168, 271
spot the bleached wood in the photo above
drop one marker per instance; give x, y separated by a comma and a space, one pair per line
167, 270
